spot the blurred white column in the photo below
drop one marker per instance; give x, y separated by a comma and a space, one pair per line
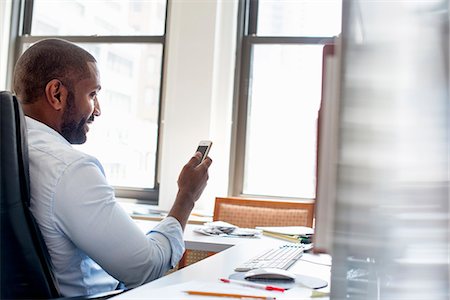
392, 204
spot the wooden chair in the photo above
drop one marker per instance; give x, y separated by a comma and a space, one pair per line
249, 213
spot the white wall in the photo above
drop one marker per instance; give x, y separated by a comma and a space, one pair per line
200, 61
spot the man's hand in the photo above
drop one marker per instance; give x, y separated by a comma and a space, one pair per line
191, 183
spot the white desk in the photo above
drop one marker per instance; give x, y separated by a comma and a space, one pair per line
233, 252
197, 241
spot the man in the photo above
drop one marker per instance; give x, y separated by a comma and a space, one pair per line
93, 244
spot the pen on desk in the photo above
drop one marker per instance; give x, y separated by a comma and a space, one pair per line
254, 285
200, 293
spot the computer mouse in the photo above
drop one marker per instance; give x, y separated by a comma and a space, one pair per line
270, 274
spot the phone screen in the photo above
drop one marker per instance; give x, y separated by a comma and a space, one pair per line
202, 149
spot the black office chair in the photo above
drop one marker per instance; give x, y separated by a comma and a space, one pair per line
26, 270
25, 263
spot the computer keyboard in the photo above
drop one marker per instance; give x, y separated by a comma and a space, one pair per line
282, 258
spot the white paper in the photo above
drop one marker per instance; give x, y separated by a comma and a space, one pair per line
178, 291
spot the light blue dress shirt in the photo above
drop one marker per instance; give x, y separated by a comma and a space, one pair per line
93, 242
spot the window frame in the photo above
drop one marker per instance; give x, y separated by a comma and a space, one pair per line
22, 14
246, 38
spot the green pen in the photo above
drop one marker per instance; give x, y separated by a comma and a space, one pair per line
304, 240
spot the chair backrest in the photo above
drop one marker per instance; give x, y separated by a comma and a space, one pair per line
250, 213
26, 271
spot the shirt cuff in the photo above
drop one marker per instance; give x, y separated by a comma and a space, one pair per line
172, 230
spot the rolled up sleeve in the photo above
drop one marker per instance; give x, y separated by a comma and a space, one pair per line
171, 231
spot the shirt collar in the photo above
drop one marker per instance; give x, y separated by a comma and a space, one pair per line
36, 125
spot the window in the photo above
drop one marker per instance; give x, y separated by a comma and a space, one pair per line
127, 39
279, 95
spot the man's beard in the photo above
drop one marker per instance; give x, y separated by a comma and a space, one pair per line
71, 130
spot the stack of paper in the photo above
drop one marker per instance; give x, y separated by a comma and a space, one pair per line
295, 234
220, 228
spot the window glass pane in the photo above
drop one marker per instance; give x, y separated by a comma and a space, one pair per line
99, 17
299, 17
282, 120
124, 137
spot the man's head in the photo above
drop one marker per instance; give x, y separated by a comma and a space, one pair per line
57, 83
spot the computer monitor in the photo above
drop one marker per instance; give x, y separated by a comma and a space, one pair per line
327, 150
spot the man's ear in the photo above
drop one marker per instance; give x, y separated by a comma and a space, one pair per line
56, 94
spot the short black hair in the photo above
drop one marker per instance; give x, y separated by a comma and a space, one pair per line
46, 60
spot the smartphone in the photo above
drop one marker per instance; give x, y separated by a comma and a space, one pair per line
204, 147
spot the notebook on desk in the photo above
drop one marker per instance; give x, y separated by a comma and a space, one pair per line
294, 234
288, 230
